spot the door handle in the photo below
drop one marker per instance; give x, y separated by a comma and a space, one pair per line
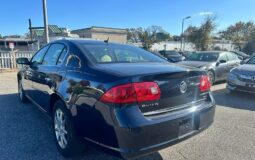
29, 73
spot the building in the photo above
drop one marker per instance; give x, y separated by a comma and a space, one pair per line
55, 32
103, 33
21, 43
176, 45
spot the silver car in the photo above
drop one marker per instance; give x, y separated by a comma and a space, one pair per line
242, 78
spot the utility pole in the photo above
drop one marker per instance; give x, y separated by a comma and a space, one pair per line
182, 36
45, 16
31, 32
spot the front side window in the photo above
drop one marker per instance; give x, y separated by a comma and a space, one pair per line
223, 57
232, 56
38, 57
103, 53
53, 54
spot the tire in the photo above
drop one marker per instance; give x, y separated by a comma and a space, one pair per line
211, 77
67, 141
21, 93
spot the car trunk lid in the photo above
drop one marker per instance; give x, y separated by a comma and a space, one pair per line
177, 90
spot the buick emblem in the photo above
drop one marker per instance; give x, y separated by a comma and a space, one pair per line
183, 87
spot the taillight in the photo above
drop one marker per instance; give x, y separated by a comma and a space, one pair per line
205, 84
131, 93
147, 91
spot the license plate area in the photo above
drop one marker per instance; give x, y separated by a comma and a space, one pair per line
186, 126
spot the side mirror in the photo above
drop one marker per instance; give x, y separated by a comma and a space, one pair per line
24, 61
241, 58
223, 61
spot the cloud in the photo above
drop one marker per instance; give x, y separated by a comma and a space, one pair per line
202, 14
205, 13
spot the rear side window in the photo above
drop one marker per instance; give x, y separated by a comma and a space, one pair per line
111, 53
74, 61
53, 54
38, 57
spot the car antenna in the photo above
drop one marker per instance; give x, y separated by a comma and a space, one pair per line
107, 41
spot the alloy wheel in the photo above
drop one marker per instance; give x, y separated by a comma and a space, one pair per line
60, 128
211, 77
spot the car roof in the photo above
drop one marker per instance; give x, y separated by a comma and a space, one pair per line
84, 41
210, 52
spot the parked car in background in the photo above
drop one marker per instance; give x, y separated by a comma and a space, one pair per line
241, 55
172, 55
217, 64
185, 54
120, 97
242, 78
158, 54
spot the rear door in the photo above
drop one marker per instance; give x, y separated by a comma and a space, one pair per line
49, 74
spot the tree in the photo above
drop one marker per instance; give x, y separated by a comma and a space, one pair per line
147, 36
239, 33
152, 32
135, 34
1, 36
201, 36
146, 40
249, 48
163, 36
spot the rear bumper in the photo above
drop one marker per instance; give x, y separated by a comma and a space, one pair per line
148, 139
138, 135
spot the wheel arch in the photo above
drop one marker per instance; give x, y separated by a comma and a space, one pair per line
53, 99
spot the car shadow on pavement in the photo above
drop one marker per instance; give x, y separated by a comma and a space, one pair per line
27, 132
94, 153
238, 100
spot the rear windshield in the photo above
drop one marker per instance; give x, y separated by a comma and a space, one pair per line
205, 56
172, 53
113, 53
251, 61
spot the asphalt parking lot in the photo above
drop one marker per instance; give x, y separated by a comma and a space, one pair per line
25, 133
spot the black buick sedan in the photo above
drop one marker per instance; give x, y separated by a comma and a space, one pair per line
119, 97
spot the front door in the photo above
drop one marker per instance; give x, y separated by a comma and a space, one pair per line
29, 74
222, 67
233, 60
48, 75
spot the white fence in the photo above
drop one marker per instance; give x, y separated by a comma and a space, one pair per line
8, 59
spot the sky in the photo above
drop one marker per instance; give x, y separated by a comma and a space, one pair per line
76, 14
